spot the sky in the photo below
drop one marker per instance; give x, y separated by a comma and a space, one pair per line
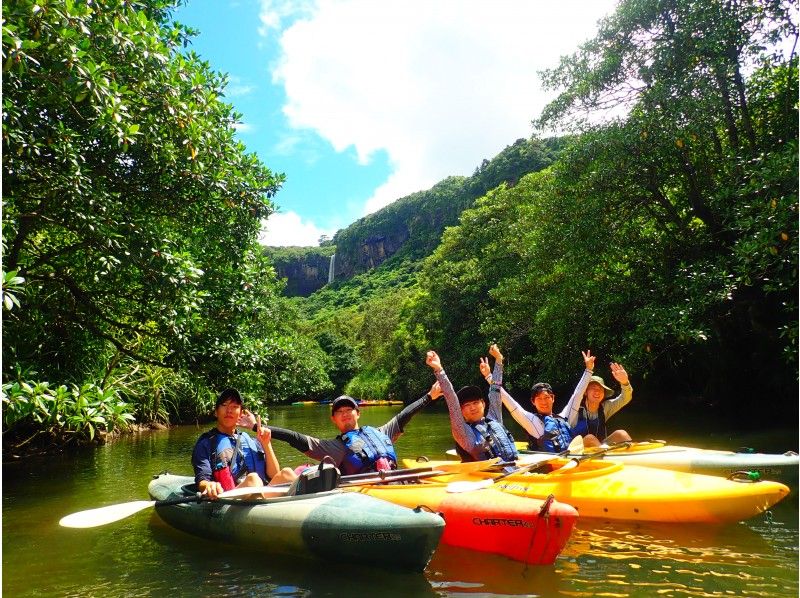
361, 102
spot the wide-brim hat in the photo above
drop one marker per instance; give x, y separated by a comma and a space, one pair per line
607, 392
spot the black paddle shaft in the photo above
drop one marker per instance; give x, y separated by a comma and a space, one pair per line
179, 500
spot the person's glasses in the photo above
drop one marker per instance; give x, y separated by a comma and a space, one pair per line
544, 396
343, 410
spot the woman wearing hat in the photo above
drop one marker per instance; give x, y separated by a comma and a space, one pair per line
598, 406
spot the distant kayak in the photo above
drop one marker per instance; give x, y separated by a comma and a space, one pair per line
779, 467
333, 526
607, 490
374, 403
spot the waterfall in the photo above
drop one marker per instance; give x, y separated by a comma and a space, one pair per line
331, 268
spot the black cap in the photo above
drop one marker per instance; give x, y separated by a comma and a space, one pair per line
541, 387
343, 400
229, 394
469, 393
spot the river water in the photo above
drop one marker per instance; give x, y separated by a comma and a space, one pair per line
141, 556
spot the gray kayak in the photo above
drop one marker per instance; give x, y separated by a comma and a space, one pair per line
335, 525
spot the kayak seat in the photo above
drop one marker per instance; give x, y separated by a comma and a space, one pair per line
323, 478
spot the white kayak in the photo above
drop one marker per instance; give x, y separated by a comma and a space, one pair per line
659, 454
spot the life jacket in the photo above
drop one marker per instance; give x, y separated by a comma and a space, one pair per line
495, 440
239, 452
585, 425
368, 449
557, 435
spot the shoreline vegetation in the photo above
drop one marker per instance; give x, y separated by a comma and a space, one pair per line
134, 286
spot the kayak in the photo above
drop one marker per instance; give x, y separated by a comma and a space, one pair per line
335, 525
613, 491
489, 520
781, 467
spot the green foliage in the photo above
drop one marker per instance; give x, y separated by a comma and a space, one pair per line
343, 359
131, 216
62, 415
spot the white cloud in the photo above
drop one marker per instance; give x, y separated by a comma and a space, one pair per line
282, 229
439, 85
243, 127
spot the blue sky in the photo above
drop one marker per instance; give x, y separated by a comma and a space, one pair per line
361, 102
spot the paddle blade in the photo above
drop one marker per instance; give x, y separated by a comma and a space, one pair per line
104, 515
468, 486
576, 445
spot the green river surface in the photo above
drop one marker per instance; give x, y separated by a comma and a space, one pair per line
141, 556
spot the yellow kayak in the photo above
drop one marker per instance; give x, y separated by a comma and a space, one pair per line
607, 490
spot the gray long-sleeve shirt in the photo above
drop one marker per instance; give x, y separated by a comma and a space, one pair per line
317, 448
462, 432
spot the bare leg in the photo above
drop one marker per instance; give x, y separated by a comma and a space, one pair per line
618, 436
591, 441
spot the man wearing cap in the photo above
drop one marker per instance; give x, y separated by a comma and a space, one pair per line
478, 431
224, 458
598, 406
548, 431
357, 449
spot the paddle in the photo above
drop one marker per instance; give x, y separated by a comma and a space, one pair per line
575, 446
112, 513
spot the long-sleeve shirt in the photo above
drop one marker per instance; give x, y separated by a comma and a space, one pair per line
335, 448
462, 433
532, 423
611, 406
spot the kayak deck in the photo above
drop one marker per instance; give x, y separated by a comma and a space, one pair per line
607, 490
336, 525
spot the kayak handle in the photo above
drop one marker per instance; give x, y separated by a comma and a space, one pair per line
745, 476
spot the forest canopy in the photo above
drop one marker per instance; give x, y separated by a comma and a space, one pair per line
660, 233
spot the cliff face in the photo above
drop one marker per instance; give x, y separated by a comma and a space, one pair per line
303, 278
370, 252
304, 271
411, 227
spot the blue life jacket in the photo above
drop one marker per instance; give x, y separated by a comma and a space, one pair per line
585, 425
240, 452
557, 435
365, 446
491, 440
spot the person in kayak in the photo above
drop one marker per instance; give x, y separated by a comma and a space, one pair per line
357, 449
224, 458
478, 431
597, 407
548, 431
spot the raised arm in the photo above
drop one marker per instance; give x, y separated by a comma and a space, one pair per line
264, 436
395, 426
529, 422
458, 426
494, 405
611, 406
570, 410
